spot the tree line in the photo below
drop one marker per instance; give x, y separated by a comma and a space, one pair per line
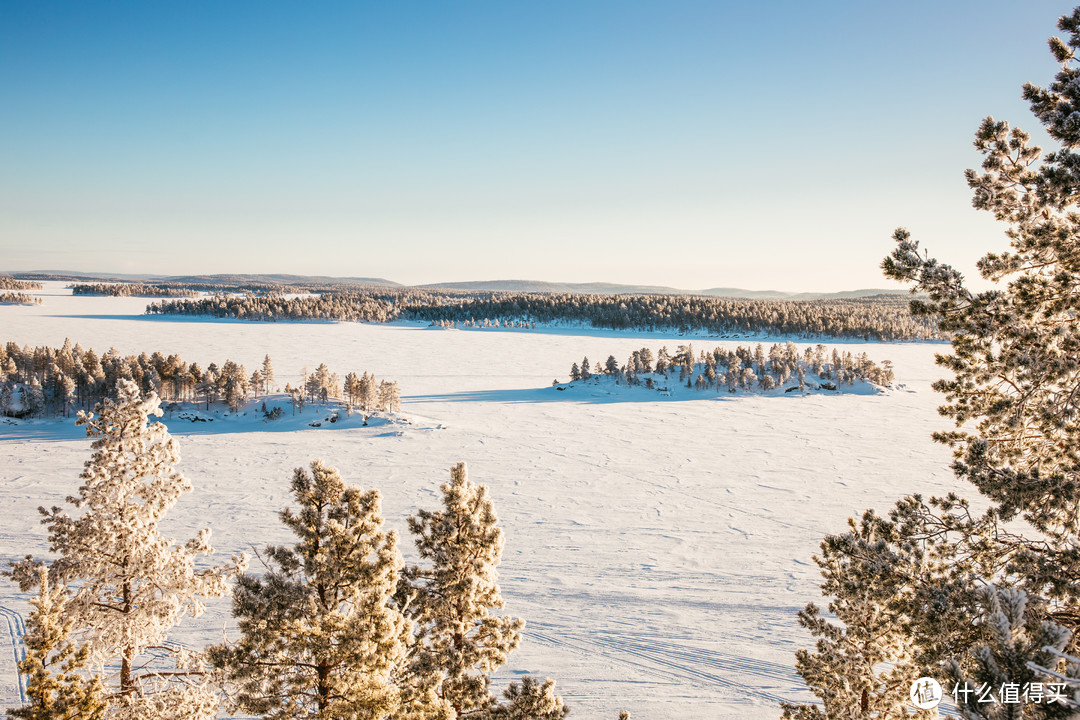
335, 625
876, 318
739, 369
366, 307
43, 381
132, 290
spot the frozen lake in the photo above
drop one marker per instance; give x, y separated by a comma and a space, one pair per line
658, 549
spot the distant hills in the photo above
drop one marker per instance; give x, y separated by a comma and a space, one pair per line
777, 295
218, 279
595, 288
601, 288
280, 279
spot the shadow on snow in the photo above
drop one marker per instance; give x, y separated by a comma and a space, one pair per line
597, 394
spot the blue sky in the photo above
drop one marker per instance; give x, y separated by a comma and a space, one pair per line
694, 144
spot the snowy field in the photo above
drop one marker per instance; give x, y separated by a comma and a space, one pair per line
658, 548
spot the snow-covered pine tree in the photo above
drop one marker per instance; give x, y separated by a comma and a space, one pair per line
352, 388
646, 357
56, 685
319, 637
208, 386
267, 375
389, 396
663, 360
369, 395
995, 688
130, 585
867, 648
1016, 353
611, 367
451, 599
1014, 395
256, 384
530, 700
323, 384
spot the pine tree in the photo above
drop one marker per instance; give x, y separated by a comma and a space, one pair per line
267, 375
56, 686
663, 361
612, 366
132, 584
256, 384
389, 396
368, 392
322, 384
646, 357
1017, 641
319, 638
451, 598
352, 388
867, 648
233, 382
530, 700
1014, 396
208, 386
1015, 391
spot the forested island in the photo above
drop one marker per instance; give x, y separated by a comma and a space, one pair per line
14, 291
44, 382
9, 283
740, 369
879, 318
18, 298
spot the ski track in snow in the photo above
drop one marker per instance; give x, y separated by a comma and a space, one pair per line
658, 548
12, 684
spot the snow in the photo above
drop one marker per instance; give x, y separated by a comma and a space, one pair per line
658, 547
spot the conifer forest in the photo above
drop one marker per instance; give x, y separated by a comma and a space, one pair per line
873, 318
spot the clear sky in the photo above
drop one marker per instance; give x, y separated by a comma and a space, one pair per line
763, 145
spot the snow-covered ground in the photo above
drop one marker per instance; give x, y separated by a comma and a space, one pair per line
658, 547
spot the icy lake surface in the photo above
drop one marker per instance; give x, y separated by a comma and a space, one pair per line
658, 548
